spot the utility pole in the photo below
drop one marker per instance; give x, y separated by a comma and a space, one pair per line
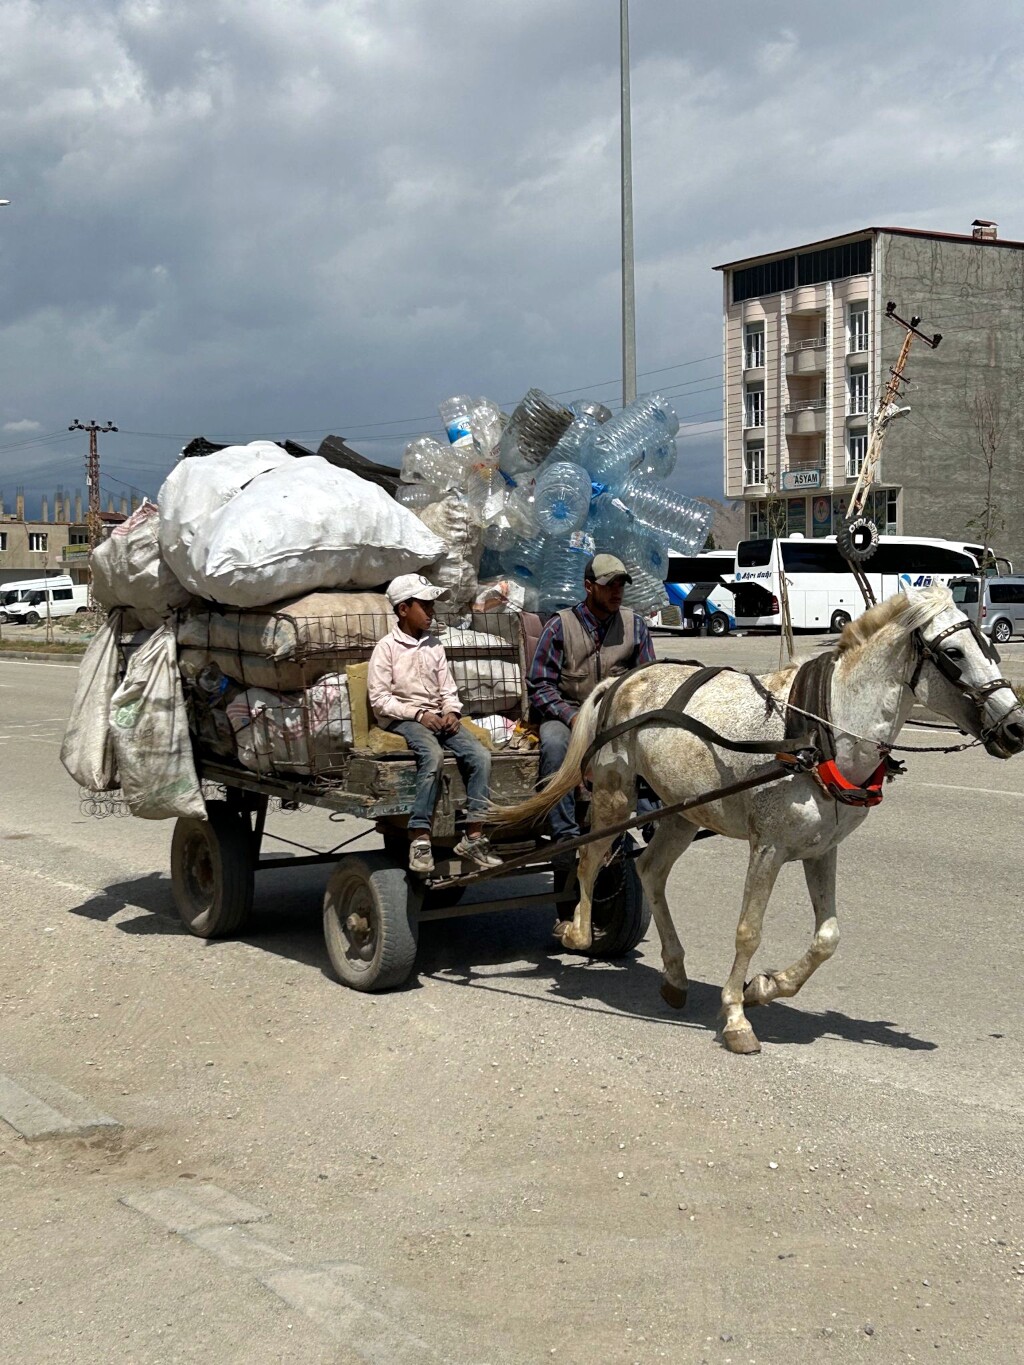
628, 293
92, 479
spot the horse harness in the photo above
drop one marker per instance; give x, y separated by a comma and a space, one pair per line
799, 752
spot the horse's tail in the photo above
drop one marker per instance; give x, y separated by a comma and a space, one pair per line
562, 782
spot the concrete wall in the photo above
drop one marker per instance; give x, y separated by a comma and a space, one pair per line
973, 293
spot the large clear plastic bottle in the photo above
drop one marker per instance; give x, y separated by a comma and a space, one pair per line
561, 575
431, 462
645, 593
562, 498
621, 443
416, 496
573, 440
522, 558
486, 422
658, 461
534, 429
680, 523
456, 414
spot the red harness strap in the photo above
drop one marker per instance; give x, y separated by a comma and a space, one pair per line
848, 792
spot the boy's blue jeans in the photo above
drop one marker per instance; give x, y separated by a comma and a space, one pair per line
474, 764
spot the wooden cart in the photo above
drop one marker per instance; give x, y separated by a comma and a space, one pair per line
373, 907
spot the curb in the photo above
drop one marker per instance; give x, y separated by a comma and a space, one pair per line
72, 660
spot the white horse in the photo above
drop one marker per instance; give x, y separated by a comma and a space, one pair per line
915, 644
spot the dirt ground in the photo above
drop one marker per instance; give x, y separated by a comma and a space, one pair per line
523, 1155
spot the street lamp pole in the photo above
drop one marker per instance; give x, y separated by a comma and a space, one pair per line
628, 296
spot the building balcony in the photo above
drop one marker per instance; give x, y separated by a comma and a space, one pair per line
807, 417
806, 357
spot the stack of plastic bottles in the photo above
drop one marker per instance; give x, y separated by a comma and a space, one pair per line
553, 485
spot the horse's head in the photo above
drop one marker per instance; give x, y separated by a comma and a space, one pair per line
956, 673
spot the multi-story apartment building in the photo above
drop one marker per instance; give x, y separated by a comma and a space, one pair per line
807, 349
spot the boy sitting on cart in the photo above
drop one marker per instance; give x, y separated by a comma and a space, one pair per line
413, 693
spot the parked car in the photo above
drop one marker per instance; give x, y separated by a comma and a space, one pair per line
1002, 607
63, 601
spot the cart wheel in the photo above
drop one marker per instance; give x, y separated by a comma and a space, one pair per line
371, 924
620, 913
212, 871
396, 846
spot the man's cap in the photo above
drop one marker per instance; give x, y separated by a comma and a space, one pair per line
409, 585
603, 568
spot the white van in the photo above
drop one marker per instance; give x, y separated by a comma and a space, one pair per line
63, 601
19, 591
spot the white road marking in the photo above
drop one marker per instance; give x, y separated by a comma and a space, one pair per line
186, 1209
982, 791
35, 1117
334, 1296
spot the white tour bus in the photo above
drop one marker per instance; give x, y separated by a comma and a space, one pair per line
701, 576
823, 594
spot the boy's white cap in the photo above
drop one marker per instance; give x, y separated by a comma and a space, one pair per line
408, 585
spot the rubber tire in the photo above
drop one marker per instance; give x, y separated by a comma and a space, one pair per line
996, 633
382, 890
718, 624
863, 529
82, 611
31, 618
840, 620
620, 919
396, 846
225, 838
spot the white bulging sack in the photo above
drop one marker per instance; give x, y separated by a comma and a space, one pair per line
198, 486
303, 526
88, 751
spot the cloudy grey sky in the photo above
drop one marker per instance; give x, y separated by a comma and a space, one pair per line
262, 217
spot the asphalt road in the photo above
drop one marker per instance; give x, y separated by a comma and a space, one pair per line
523, 1155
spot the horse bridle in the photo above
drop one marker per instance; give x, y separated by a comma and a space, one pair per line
927, 649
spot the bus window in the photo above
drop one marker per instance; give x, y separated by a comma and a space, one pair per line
918, 559
753, 554
813, 556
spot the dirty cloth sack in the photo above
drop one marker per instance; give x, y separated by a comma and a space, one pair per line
88, 751
306, 732
295, 528
486, 683
149, 730
128, 569
199, 486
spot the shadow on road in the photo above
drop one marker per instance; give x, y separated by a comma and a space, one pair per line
511, 953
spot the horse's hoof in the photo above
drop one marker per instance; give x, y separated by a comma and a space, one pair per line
560, 928
673, 995
762, 990
741, 1040
574, 941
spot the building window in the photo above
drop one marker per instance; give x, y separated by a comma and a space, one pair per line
753, 464
835, 262
753, 345
3, 541
858, 387
758, 520
771, 278
856, 449
78, 538
857, 327
796, 516
37, 541
753, 405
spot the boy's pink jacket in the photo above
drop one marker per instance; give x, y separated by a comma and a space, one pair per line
407, 676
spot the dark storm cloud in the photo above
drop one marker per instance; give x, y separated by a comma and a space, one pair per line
260, 216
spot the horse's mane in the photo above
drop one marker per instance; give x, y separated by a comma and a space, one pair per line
907, 610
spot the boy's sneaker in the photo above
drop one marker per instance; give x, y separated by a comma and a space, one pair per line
476, 850
421, 858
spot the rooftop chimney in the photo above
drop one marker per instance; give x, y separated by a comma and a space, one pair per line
78, 507
984, 230
19, 504
46, 511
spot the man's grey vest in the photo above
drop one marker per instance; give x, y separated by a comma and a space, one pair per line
583, 664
